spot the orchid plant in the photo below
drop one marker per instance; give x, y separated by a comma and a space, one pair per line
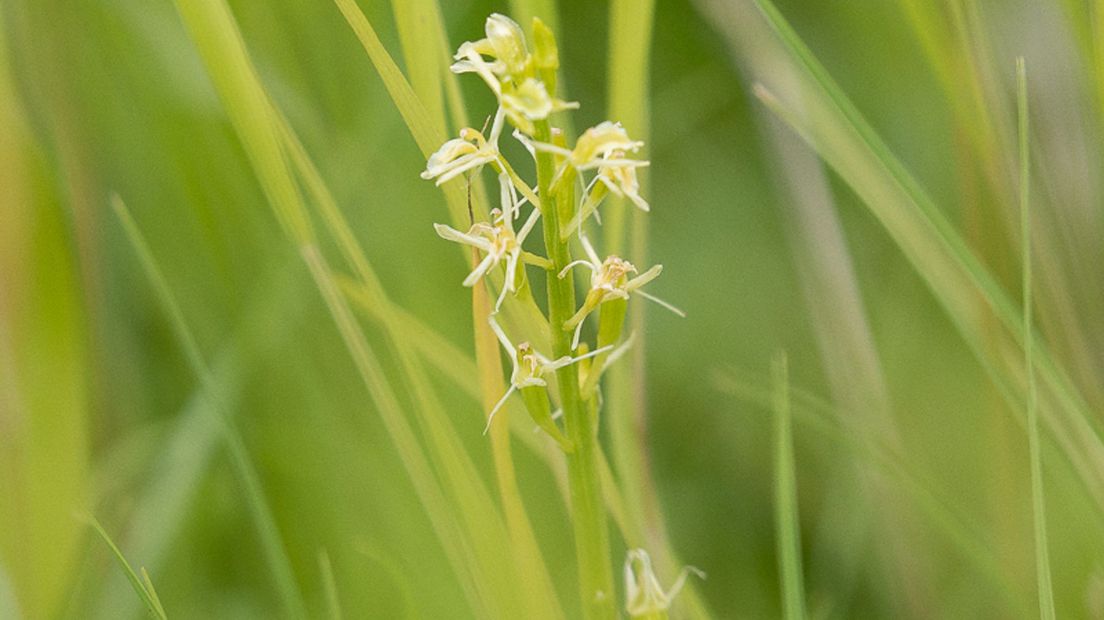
563, 201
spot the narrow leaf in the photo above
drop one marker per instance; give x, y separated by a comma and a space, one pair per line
1038, 502
787, 527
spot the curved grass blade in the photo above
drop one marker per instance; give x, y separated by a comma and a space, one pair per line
1038, 502
329, 586
275, 554
142, 586
834, 127
823, 417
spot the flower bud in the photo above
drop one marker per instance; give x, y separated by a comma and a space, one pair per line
508, 42
545, 52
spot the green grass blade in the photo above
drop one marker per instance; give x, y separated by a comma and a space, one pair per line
418, 120
329, 586
265, 523
152, 592
424, 54
939, 510
1038, 502
144, 589
832, 125
162, 505
453, 461
426, 133
629, 86
787, 526
482, 575
456, 543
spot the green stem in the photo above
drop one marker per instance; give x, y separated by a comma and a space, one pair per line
592, 546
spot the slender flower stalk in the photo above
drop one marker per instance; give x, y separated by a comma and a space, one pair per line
523, 83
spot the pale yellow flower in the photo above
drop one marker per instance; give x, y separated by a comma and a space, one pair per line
497, 239
643, 594
509, 74
470, 151
610, 279
530, 367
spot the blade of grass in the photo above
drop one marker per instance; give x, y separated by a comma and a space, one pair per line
422, 51
454, 539
471, 549
422, 27
162, 505
787, 526
957, 279
329, 586
822, 417
142, 586
152, 591
630, 42
427, 134
1038, 502
525, 550
275, 554
539, 595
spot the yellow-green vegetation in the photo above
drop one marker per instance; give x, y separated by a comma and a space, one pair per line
253, 366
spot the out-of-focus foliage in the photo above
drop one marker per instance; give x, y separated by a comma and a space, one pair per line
911, 457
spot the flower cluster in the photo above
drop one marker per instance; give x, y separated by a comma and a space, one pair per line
572, 183
523, 84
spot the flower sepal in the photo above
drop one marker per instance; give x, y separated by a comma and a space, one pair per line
536, 402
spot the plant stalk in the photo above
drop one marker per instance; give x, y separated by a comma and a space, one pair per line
592, 545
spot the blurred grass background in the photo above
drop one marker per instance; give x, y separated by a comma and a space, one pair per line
100, 411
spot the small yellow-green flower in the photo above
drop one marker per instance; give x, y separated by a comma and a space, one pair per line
604, 148
643, 594
510, 74
470, 151
496, 239
530, 367
609, 279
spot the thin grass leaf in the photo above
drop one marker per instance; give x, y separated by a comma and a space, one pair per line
265, 523
426, 133
453, 461
824, 418
421, 49
629, 87
471, 550
787, 526
832, 125
163, 503
152, 591
456, 544
329, 586
539, 595
144, 589
1038, 501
